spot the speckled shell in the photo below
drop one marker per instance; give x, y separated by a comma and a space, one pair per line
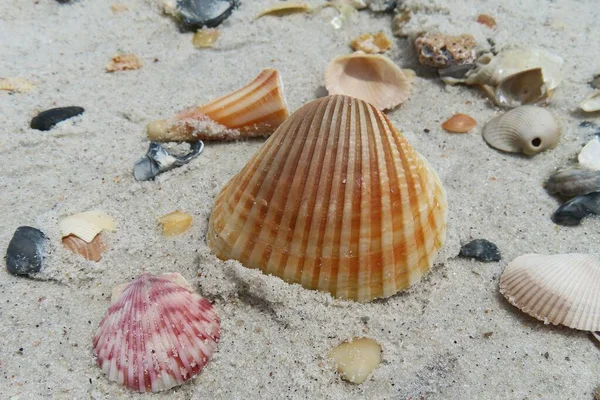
157, 333
526, 129
370, 77
556, 289
336, 200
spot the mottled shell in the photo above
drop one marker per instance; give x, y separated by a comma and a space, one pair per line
573, 182
526, 129
556, 289
336, 200
257, 109
370, 77
443, 51
157, 333
591, 103
524, 87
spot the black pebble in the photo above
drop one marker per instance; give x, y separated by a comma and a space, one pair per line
45, 120
482, 250
573, 211
25, 251
195, 14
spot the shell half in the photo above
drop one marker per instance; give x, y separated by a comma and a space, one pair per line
591, 103
370, 77
257, 109
525, 87
86, 225
556, 289
157, 333
526, 129
336, 200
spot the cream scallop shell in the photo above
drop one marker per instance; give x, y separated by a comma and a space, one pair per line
526, 129
86, 225
336, 200
556, 289
370, 77
525, 87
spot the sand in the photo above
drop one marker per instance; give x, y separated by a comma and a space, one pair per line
451, 336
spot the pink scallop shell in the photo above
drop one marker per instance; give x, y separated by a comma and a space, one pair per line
157, 333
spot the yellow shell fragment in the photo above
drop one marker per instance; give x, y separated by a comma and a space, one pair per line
336, 200
205, 38
123, 62
175, 223
371, 43
17, 85
356, 359
86, 225
284, 8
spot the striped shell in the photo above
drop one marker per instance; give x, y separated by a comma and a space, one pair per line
86, 225
257, 109
157, 333
336, 200
526, 129
90, 251
556, 289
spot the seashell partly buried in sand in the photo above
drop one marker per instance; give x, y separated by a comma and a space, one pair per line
591, 103
370, 77
157, 333
175, 223
195, 14
90, 251
16, 85
279, 9
443, 51
573, 182
205, 38
459, 123
556, 289
525, 87
336, 200
356, 359
589, 156
86, 225
573, 211
526, 129
46, 120
257, 109
124, 62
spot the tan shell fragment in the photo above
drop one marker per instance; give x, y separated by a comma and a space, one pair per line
257, 109
86, 225
205, 38
124, 62
371, 43
335, 200
288, 7
356, 359
370, 77
16, 85
443, 51
175, 223
486, 20
527, 129
525, 87
556, 289
591, 103
90, 251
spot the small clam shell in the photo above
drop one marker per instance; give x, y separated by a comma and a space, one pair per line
90, 251
526, 129
589, 156
356, 359
525, 87
573, 211
157, 333
591, 103
459, 123
556, 289
370, 77
86, 225
573, 182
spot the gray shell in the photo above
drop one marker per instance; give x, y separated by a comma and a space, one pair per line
573, 182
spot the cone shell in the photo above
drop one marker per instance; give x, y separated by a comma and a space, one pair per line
157, 333
556, 289
370, 77
257, 109
336, 200
526, 129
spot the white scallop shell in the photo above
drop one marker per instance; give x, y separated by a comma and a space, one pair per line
526, 129
86, 225
591, 103
589, 156
556, 289
370, 77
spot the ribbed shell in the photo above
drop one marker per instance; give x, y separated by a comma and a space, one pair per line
556, 289
257, 109
336, 200
527, 129
157, 333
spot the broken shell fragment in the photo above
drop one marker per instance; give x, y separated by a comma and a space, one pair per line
573, 211
370, 77
442, 51
481, 249
205, 38
16, 85
123, 62
526, 129
336, 200
371, 43
399, 22
157, 333
525, 87
195, 14
573, 182
289, 7
589, 156
90, 251
591, 103
46, 120
86, 225
257, 109
175, 223
356, 359
486, 20
158, 160
25, 252
556, 289
459, 123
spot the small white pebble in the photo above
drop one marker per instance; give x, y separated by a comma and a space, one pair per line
356, 359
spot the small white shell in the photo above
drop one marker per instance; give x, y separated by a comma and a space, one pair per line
526, 129
556, 289
524, 87
86, 225
356, 359
589, 156
370, 77
591, 103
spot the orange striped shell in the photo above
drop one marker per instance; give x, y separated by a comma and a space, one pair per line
336, 200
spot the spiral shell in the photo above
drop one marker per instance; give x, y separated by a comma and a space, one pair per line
336, 200
526, 129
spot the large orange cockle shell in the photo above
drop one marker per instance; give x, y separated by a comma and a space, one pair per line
336, 200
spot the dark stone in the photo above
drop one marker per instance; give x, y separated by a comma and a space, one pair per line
25, 251
481, 249
195, 14
45, 120
573, 211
